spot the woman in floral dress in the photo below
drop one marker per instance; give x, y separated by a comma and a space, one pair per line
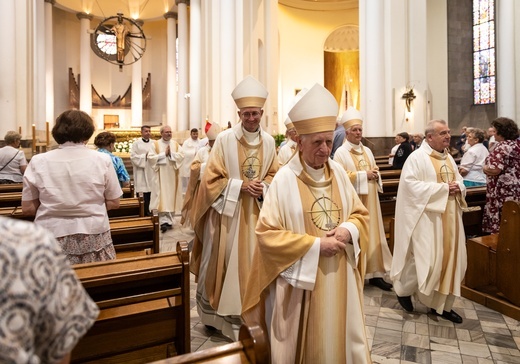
502, 168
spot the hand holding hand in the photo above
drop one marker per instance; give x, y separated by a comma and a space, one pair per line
454, 188
330, 246
255, 188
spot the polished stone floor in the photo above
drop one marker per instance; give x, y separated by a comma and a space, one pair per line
396, 336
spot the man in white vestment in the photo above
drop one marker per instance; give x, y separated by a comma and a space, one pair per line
360, 165
289, 148
198, 166
430, 252
240, 168
142, 170
166, 194
189, 148
304, 288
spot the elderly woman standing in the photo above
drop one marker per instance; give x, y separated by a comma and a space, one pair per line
502, 168
12, 159
105, 142
70, 189
472, 162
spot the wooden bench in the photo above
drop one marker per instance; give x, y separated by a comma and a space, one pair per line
11, 187
138, 233
144, 308
128, 207
492, 273
11, 199
251, 348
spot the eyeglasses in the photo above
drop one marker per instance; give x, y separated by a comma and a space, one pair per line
248, 114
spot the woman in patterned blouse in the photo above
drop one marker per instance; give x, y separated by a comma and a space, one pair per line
502, 168
105, 142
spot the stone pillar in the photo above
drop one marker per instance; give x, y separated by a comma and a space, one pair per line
49, 63
7, 70
171, 70
182, 114
372, 66
137, 85
505, 58
195, 65
85, 86
228, 64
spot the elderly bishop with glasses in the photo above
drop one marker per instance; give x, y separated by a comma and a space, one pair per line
240, 168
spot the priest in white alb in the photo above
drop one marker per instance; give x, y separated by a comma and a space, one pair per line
304, 288
143, 173
240, 168
361, 167
166, 194
430, 245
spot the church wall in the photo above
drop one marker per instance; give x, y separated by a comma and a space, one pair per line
302, 37
461, 110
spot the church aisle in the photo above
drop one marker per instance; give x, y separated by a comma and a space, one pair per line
399, 337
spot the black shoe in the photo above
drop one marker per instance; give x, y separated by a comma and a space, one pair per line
451, 316
406, 303
380, 282
169, 226
164, 227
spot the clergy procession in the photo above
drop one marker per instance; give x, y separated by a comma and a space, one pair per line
285, 241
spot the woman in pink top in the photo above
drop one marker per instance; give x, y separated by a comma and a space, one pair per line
70, 189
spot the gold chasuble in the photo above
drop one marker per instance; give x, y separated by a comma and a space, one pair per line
311, 306
224, 220
376, 258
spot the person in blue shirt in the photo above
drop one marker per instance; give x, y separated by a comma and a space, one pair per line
105, 142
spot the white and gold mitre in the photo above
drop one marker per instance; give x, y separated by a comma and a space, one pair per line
351, 117
249, 93
288, 123
315, 112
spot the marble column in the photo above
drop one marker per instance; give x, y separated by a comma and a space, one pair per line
171, 70
49, 63
7, 67
228, 61
372, 66
195, 65
182, 97
137, 85
505, 59
85, 86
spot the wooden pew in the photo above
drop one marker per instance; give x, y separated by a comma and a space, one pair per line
144, 308
129, 207
492, 273
390, 174
252, 347
138, 233
11, 199
11, 187
129, 191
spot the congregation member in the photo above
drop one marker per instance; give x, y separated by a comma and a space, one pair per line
461, 142
70, 189
189, 149
304, 288
472, 163
391, 156
491, 138
12, 159
430, 246
289, 148
403, 150
143, 171
105, 142
198, 166
44, 308
417, 140
240, 168
502, 168
361, 167
165, 159
339, 137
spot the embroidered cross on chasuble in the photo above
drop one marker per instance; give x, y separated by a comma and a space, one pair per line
360, 159
250, 159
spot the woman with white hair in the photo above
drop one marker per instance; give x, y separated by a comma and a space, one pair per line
12, 159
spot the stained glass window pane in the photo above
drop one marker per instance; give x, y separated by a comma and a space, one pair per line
484, 51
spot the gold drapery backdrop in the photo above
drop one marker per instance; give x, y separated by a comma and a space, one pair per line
342, 77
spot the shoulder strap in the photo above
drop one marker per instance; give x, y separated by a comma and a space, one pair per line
10, 160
